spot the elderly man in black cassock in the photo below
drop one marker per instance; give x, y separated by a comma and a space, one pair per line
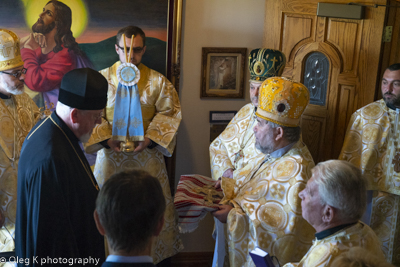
56, 187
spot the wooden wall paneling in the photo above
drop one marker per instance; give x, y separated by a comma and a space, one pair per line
297, 30
313, 135
395, 54
320, 31
332, 105
273, 21
391, 50
345, 110
370, 51
305, 7
350, 80
330, 108
342, 34
353, 48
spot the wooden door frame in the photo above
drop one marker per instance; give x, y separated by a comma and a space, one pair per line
335, 68
366, 88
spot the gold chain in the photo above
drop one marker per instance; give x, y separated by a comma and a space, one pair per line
83, 164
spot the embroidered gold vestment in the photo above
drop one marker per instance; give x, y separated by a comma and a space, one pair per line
161, 114
371, 143
267, 208
323, 252
234, 147
17, 117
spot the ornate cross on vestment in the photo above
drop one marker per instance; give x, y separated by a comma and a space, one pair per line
238, 156
210, 193
274, 60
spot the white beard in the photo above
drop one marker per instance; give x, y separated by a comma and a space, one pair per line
14, 90
85, 138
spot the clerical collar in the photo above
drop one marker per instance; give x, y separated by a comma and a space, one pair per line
331, 231
3, 96
280, 152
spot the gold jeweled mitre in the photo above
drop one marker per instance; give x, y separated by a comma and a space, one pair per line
10, 54
282, 101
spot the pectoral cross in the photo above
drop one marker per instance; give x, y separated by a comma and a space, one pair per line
238, 156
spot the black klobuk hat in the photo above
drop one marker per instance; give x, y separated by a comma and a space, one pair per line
84, 89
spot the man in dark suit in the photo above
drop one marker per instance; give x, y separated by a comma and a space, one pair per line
130, 213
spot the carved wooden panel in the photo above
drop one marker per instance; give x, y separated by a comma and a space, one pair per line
297, 30
352, 48
345, 35
313, 129
345, 110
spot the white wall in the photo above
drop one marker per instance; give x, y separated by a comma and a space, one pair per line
209, 23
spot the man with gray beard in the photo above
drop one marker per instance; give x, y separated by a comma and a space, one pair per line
18, 114
56, 187
261, 207
233, 149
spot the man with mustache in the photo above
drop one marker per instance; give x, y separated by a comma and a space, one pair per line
18, 114
372, 144
56, 187
51, 51
261, 206
233, 149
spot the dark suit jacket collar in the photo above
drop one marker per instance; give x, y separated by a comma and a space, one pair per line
64, 127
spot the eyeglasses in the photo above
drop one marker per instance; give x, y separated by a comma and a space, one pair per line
16, 74
136, 50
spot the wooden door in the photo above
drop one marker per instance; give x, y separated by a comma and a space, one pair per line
341, 55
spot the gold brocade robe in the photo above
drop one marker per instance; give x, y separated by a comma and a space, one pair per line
267, 208
161, 114
234, 147
371, 143
17, 117
325, 251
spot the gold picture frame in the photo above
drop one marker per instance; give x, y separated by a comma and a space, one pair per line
222, 72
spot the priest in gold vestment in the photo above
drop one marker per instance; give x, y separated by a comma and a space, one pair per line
371, 143
161, 116
261, 204
333, 202
234, 147
18, 114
